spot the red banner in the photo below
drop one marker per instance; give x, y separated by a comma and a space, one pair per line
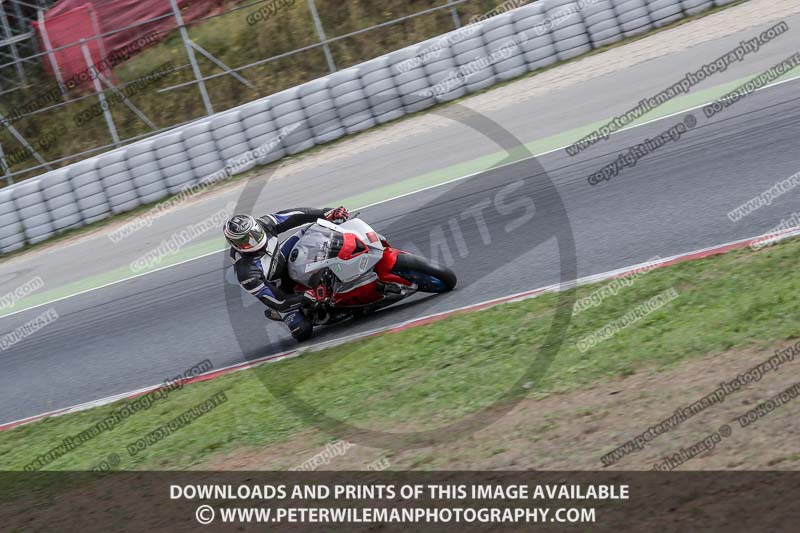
68, 27
69, 21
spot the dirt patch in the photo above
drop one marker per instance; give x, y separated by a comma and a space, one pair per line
571, 431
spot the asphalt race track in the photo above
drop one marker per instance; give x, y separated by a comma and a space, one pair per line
676, 200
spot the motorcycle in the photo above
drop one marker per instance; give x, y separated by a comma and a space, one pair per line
355, 271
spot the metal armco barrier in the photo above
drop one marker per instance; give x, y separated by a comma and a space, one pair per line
380, 90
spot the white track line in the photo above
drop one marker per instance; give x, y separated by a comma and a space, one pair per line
697, 254
387, 200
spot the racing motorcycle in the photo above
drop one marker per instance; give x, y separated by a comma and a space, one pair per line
354, 271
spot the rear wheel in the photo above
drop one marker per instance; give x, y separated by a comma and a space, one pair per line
428, 276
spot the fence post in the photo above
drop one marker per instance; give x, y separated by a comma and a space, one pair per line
454, 13
18, 136
12, 45
99, 90
187, 43
19, 18
6, 170
321, 32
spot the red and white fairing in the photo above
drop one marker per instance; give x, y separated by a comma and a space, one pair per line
356, 255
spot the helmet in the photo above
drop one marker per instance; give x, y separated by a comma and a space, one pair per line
245, 234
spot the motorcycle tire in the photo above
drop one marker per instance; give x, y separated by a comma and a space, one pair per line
428, 276
305, 332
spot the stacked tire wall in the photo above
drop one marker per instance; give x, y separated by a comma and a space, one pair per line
383, 89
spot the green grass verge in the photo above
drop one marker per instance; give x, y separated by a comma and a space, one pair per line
430, 375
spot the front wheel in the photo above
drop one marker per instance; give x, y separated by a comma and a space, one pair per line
428, 276
300, 325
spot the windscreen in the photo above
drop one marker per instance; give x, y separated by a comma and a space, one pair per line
319, 244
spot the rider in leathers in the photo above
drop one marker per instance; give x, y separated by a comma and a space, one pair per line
260, 261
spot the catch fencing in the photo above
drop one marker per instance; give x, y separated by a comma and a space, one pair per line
383, 89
